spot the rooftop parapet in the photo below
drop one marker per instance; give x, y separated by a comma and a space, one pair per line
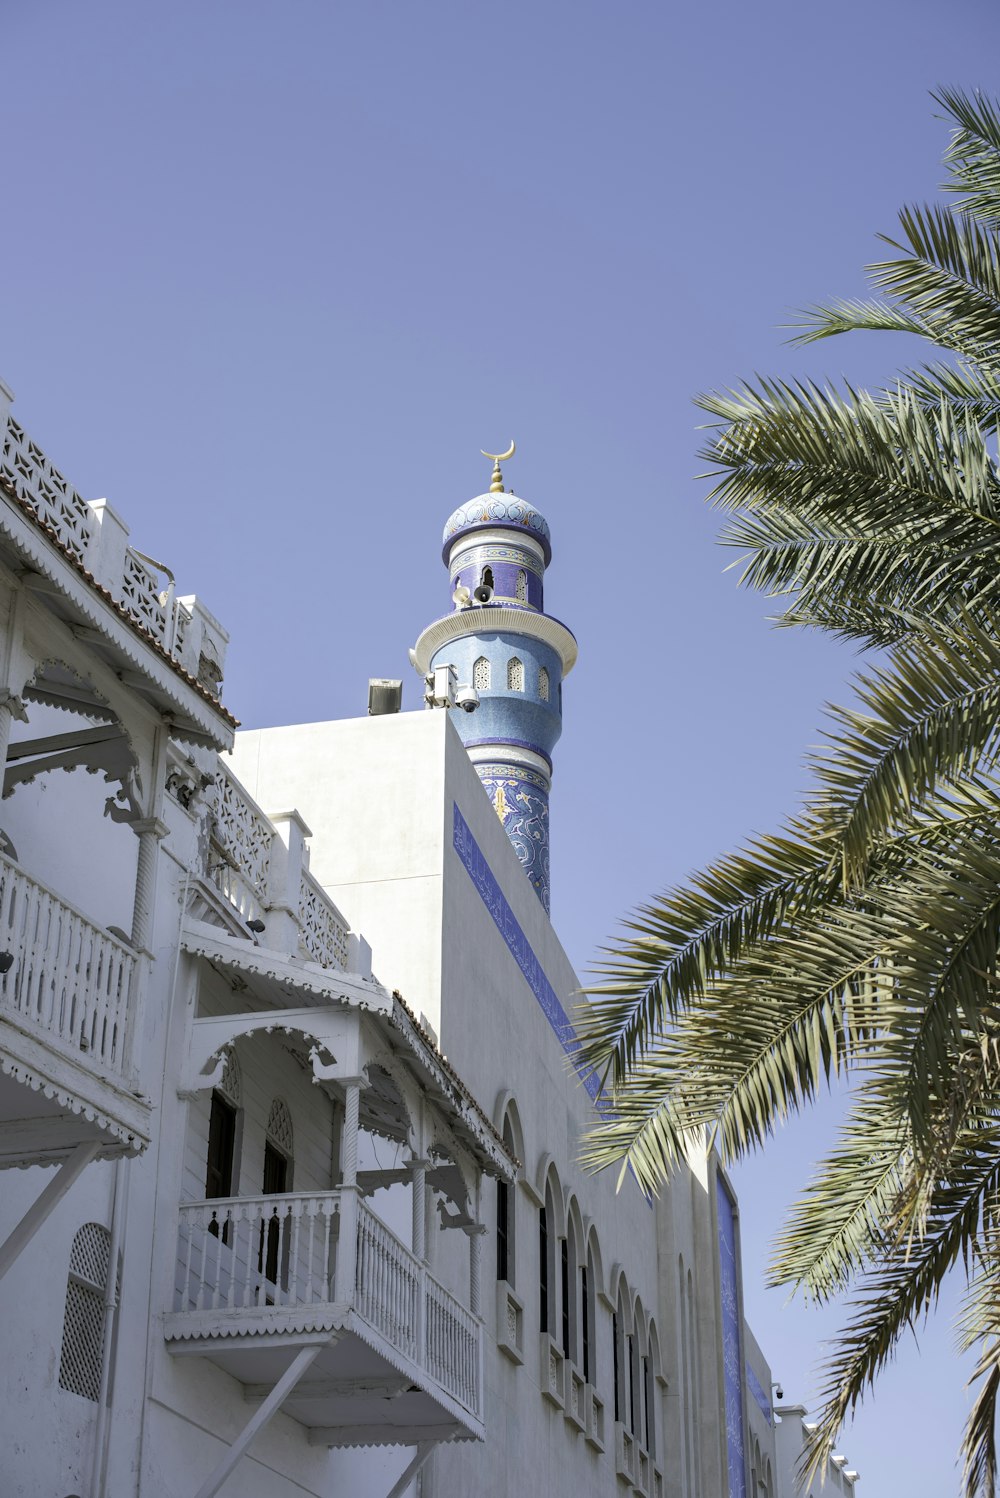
93, 535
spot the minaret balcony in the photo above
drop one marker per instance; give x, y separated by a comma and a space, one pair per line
68, 993
400, 1358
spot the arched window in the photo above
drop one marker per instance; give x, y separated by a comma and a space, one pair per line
521, 586
620, 1343
83, 1325
506, 1209
543, 1266
481, 674
543, 683
588, 1318
515, 675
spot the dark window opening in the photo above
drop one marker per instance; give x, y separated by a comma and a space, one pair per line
543, 1270
221, 1146
631, 1385
647, 1389
565, 1297
585, 1324
275, 1183
503, 1230
617, 1368
488, 577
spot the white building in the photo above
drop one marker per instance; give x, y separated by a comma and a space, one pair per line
264, 1238
791, 1436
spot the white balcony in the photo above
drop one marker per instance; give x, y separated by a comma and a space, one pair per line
66, 1018
401, 1359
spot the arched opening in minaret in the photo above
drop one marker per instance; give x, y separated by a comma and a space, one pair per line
521, 586
515, 674
543, 683
486, 580
481, 674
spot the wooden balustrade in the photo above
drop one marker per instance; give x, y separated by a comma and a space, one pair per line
68, 977
243, 1253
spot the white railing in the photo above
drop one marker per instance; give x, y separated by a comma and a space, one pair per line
388, 1280
242, 1253
323, 929
68, 977
453, 1344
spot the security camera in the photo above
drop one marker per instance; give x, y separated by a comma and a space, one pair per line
467, 698
779, 1391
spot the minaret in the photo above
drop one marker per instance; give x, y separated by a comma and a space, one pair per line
500, 641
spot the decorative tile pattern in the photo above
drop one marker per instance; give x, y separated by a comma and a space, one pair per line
759, 1393
523, 808
518, 945
732, 1354
496, 509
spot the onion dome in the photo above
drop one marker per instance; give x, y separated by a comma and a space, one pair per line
498, 512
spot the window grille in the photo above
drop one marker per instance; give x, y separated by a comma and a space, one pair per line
543, 684
481, 674
515, 675
279, 1127
83, 1326
231, 1085
521, 587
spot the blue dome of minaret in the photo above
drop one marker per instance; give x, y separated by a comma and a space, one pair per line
498, 512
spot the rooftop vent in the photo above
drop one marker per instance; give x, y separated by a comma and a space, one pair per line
384, 696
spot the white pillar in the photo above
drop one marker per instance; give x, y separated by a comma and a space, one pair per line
418, 1237
347, 1242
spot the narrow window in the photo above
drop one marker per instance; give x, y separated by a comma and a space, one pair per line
481, 674
503, 1228
219, 1170
631, 1384
647, 1396
521, 586
83, 1325
585, 1323
617, 1364
515, 675
543, 1270
543, 684
487, 579
566, 1290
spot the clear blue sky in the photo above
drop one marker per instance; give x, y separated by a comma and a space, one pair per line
271, 275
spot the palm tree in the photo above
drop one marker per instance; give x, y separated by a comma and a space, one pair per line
864, 939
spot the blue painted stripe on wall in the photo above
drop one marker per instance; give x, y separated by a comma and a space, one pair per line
518, 945
732, 1341
757, 1390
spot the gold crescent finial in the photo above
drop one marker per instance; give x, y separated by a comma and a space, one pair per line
496, 483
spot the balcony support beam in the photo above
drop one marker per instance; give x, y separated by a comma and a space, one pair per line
40, 1210
286, 1383
399, 1487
